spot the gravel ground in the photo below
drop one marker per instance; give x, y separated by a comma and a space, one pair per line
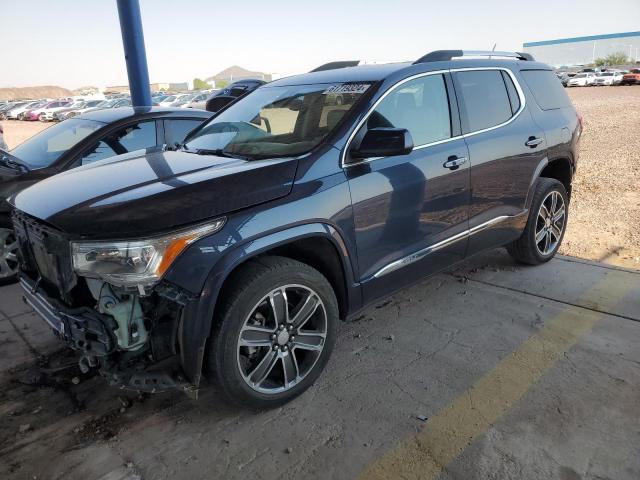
604, 216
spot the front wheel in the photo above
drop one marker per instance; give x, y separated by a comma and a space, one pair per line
8, 255
275, 332
546, 224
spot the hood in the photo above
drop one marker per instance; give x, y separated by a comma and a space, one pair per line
132, 195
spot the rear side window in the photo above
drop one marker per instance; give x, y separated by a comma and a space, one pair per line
513, 93
548, 92
485, 101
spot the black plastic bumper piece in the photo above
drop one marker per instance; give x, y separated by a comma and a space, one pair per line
83, 329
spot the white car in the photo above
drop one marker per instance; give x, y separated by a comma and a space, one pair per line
609, 78
167, 101
47, 115
582, 80
197, 99
13, 113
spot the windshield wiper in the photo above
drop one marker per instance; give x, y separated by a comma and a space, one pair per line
220, 152
12, 162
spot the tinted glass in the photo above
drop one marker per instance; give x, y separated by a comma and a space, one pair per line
46, 147
421, 106
278, 121
513, 93
176, 130
126, 139
485, 100
547, 91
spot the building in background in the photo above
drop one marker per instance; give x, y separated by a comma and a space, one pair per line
584, 50
235, 73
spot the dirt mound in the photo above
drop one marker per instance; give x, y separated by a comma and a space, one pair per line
44, 91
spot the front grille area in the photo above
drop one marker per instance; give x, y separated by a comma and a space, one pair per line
45, 256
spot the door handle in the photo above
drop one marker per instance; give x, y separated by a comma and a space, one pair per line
533, 142
453, 162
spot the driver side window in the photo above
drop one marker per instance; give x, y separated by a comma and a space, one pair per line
127, 139
421, 106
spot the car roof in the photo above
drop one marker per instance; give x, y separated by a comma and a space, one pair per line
361, 73
378, 72
109, 115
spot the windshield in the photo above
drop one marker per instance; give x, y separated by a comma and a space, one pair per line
46, 147
606, 74
278, 121
580, 75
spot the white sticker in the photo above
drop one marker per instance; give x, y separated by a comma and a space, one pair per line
358, 88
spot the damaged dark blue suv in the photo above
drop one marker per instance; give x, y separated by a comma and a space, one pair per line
235, 254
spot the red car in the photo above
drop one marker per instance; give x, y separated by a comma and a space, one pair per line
631, 78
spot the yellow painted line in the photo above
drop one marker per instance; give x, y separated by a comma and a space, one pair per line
448, 433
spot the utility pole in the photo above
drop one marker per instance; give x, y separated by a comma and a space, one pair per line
134, 52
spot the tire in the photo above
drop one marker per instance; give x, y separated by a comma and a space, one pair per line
248, 314
8, 252
525, 249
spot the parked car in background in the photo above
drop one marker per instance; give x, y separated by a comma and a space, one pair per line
48, 115
61, 114
563, 77
582, 80
19, 108
167, 100
231, 94
82, 140
198, 101
631, 78
236, 255
608, 78
5, 109
34, 114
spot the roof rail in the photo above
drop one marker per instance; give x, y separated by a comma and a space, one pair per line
445, 55
335, 65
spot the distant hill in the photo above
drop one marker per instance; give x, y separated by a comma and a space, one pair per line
45, 91
236, 72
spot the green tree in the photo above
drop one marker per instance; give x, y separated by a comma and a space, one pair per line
199, 84
616, 58
221, 83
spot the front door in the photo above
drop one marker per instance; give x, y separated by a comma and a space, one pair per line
411, 211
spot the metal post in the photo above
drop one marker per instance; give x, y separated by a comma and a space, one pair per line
134, 52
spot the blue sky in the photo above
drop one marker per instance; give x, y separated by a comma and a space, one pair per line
73, 43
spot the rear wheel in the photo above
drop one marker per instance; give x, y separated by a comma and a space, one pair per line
8, 254
275, 334
546, 224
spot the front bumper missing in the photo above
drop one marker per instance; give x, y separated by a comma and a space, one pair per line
83, 329
92, 335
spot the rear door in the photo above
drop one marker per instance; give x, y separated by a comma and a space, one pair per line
411, 211
505, 148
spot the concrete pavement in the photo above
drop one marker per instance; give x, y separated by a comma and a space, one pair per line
492, 370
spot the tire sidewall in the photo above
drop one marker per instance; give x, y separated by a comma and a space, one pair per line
226, 338
546, 189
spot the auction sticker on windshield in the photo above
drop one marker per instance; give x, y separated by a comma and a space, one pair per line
348, 88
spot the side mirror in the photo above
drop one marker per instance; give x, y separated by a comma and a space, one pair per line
383, 142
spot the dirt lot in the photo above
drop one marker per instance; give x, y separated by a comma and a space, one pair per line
604, 216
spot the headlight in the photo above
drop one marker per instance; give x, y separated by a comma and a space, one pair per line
136, 262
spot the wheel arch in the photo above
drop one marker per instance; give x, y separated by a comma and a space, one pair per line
561, 169
319, 245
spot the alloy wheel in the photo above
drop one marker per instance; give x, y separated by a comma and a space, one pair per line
550, 223
282, 339
8, 253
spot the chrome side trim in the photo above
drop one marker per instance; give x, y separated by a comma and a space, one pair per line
521, 95
414, 257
